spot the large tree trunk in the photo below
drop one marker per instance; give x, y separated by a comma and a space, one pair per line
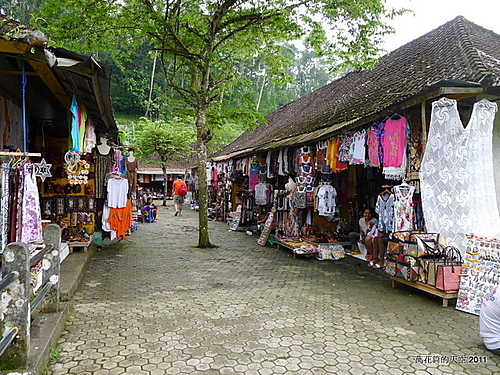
201, 151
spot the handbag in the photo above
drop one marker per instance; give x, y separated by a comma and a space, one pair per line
448, 273
390, 267
427, 244
407, 267
428, 270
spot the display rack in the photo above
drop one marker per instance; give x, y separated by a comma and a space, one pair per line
445, 295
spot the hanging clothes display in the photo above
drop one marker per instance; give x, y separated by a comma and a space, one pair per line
414, 161
90, 139
75, 129
358, 147
117, 188
254, 175
394, 147
102, 164
263, 194
373, 145
458, 191
31, 220
116, 161
131, 165
333, 155
4, 209
385, 210
120, 219
326, 204
293, 225
403, 207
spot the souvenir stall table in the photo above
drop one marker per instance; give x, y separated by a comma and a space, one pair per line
445, 295
298, 246
418, 260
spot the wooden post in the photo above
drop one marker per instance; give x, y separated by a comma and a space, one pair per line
16, 306
51, 268
424, 123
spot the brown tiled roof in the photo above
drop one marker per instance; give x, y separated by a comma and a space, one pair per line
458, 50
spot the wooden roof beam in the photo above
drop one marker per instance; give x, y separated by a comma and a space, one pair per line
44, 72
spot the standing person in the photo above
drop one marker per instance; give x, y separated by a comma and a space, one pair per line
489, 321
366, 224
179, 191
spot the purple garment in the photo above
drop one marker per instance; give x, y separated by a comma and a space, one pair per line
31, 217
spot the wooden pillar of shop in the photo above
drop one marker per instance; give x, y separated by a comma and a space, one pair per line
424, 123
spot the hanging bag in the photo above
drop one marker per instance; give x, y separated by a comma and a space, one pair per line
448, 274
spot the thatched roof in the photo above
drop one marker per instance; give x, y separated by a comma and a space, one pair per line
458, 51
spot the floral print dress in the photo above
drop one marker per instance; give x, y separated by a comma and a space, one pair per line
403, 207
31, 229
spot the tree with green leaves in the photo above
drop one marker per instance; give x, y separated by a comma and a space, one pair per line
201, 41
164, 142
21, 10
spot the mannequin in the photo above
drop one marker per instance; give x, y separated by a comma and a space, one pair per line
290, 185
102, 157
131, 157
103, 147
131, 165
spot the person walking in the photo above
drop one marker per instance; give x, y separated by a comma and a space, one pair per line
179, 191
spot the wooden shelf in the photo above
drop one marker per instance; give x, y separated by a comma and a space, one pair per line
445, 295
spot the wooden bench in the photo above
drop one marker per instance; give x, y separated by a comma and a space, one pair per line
445, 295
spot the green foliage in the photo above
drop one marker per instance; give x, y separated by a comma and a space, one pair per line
200, 43
21, 10
225, 54
164, 141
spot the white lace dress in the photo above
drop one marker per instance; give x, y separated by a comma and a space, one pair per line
458, 192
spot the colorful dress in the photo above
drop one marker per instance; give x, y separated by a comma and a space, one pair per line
293, 225
403, 207
373, 144
385, 210
31, 228
394, 147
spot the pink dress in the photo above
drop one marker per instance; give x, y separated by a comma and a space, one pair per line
373, 146
394, 142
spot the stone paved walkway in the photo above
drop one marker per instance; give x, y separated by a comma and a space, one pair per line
162, 306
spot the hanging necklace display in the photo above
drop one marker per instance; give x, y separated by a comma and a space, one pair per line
71, 158
76, 169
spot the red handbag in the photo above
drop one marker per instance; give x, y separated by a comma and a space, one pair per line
448, 273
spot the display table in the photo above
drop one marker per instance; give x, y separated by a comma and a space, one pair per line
294, 244
84, 244
445, 295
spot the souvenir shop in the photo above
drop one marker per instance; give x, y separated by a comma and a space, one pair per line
313, 195
60, 159
318, 191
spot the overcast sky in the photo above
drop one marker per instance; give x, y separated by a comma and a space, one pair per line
430, 14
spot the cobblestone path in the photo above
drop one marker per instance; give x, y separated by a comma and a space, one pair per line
161, 306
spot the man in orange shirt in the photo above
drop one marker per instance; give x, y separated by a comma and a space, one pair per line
179, 191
